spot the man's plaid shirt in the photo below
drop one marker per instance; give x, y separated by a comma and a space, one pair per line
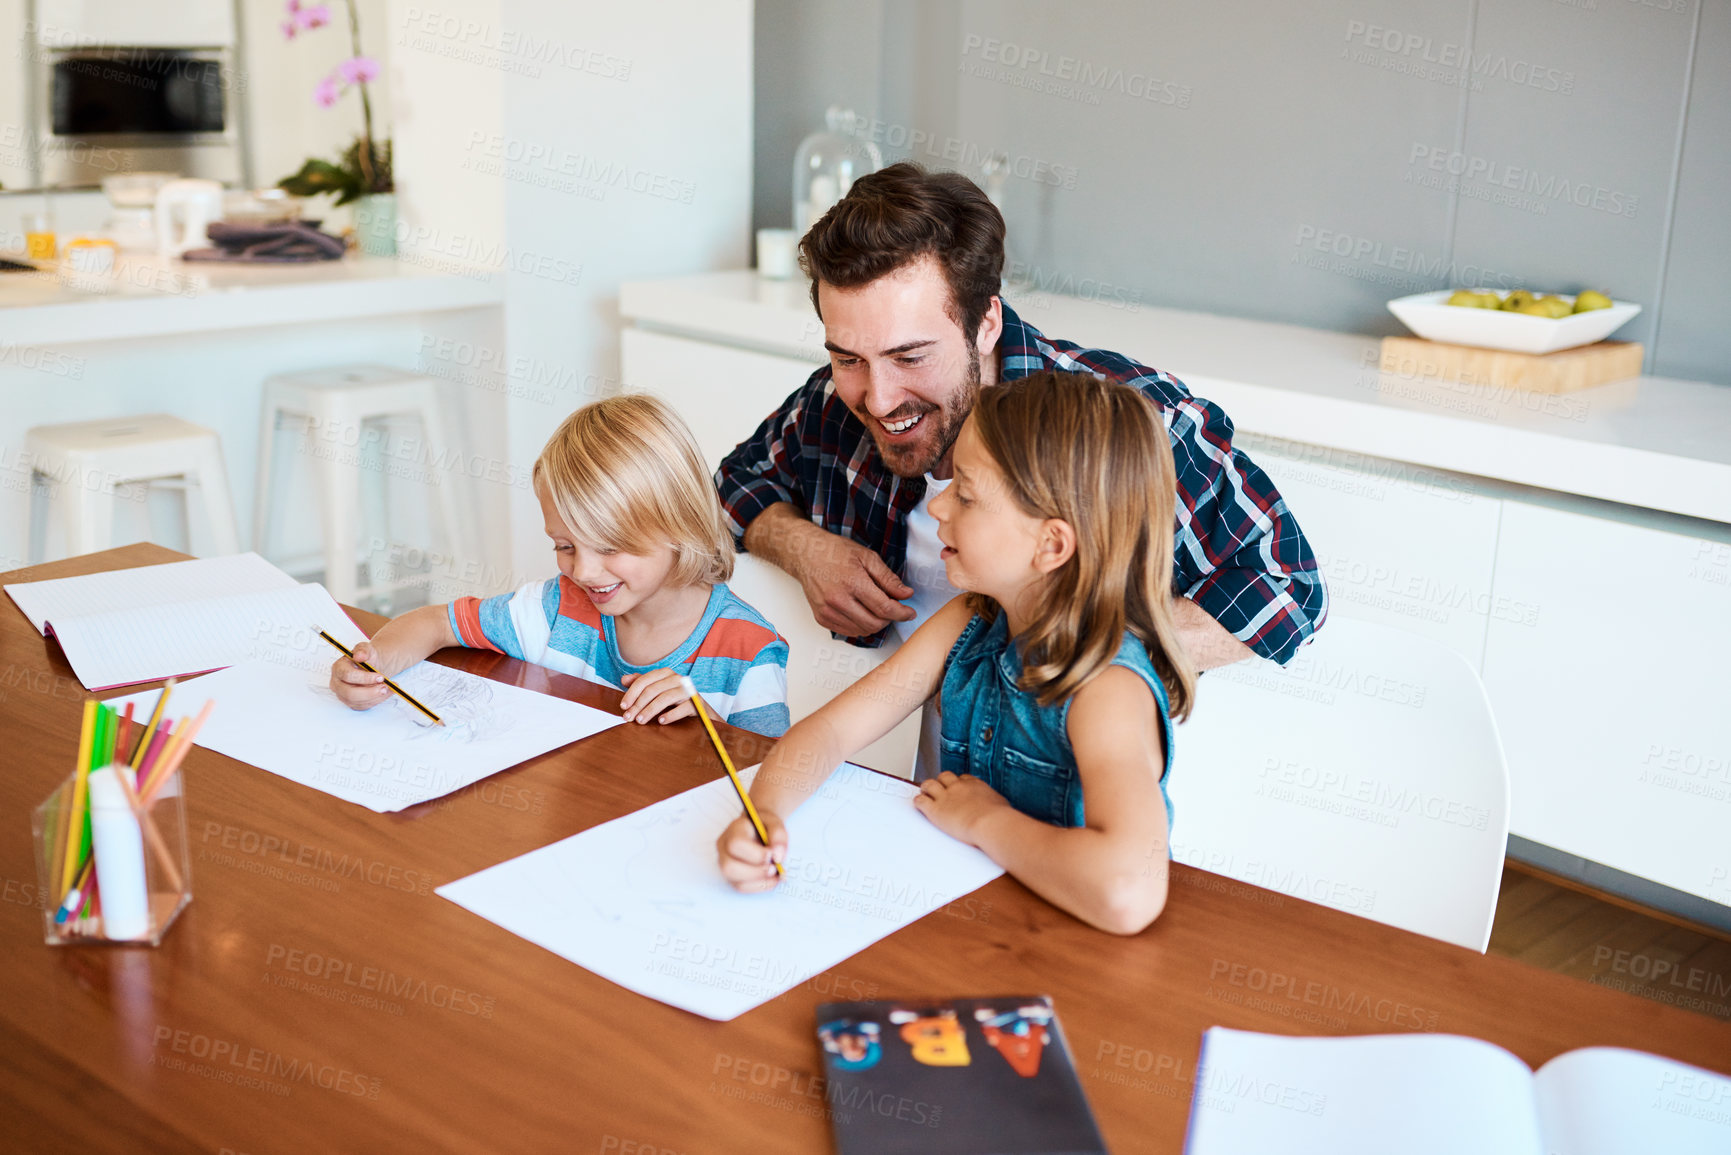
1238, 552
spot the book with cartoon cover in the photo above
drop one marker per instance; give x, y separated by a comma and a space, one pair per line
957, 1077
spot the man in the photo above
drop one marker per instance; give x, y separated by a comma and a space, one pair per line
834, 486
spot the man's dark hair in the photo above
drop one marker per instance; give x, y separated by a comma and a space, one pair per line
896, 215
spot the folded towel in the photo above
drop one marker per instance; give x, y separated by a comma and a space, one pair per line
288, 242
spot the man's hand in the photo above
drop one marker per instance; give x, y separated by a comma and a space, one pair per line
850, 589
956, 803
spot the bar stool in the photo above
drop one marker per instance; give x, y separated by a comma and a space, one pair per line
342, 410
85, 463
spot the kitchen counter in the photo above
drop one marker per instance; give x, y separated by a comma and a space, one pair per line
1650, 442
147, 296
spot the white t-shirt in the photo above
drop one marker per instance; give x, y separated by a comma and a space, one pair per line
932, 588
925, 568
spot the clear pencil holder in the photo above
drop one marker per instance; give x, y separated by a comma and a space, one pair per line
148, 870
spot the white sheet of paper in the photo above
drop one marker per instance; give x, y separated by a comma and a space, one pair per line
129, 646
1611, 1101
287, 721
148, 585
640, 900
1367, 1095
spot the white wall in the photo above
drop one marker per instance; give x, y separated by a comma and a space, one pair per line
279, 76
632, 152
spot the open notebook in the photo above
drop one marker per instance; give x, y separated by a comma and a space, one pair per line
1437, 1094
124, 627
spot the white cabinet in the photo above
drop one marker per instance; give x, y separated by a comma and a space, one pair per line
1399, 544
723, 393
1613, 693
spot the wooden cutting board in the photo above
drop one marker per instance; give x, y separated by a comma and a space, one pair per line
1564, 371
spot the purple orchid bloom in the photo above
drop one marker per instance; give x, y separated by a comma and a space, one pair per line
359, 69
327, 91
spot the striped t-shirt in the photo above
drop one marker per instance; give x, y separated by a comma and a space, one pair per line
734, 656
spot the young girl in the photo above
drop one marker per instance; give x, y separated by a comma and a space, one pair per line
643, 555
1059, 671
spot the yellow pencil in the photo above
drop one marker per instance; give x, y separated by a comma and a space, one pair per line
401, 693
690, 687
155, 720
75, 804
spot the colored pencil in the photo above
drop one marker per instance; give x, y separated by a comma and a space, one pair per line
125, 743
690, 687
163, 736
76, 895
151, 834
401, 693
74, 804
170, 760
155, 719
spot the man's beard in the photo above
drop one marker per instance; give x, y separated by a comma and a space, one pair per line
917, 460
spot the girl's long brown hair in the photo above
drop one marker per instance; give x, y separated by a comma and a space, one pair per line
1095, 454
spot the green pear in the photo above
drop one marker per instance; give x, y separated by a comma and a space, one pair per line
1517, 300
1536, 309
1559, 308
1591, 299
1466, 298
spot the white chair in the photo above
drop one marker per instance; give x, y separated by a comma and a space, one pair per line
1367, 775
336, 407
83, 466
818, 666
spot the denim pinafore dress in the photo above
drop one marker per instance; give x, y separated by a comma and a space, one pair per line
1000, 734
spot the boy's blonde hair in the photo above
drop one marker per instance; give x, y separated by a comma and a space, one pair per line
1095, 454
626, 474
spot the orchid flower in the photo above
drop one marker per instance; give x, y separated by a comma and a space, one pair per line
359, 69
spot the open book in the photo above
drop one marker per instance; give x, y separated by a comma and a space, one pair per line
1431, 1094
128, 626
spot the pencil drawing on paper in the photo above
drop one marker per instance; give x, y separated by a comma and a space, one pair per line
467, 706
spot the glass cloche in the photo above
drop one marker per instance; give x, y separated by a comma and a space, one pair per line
828, 163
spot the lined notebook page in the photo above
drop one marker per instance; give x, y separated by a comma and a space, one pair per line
125, 647
150, 585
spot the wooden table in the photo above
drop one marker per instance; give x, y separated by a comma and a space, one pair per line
303, 903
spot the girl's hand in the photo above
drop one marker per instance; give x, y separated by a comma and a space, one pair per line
747, 864
356, 688
656, 692
956, 804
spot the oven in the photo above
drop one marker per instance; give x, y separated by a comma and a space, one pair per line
116, 94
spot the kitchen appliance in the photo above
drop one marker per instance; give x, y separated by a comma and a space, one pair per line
183, 210
122, 88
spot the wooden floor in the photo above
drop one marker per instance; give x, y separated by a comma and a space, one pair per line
1550, 925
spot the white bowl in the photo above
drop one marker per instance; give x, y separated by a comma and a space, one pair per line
1428, 316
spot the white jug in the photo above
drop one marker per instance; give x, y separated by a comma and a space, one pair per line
183, 209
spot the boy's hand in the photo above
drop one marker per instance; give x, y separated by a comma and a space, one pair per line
656, 692
747, 864
356, 688
955, 804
